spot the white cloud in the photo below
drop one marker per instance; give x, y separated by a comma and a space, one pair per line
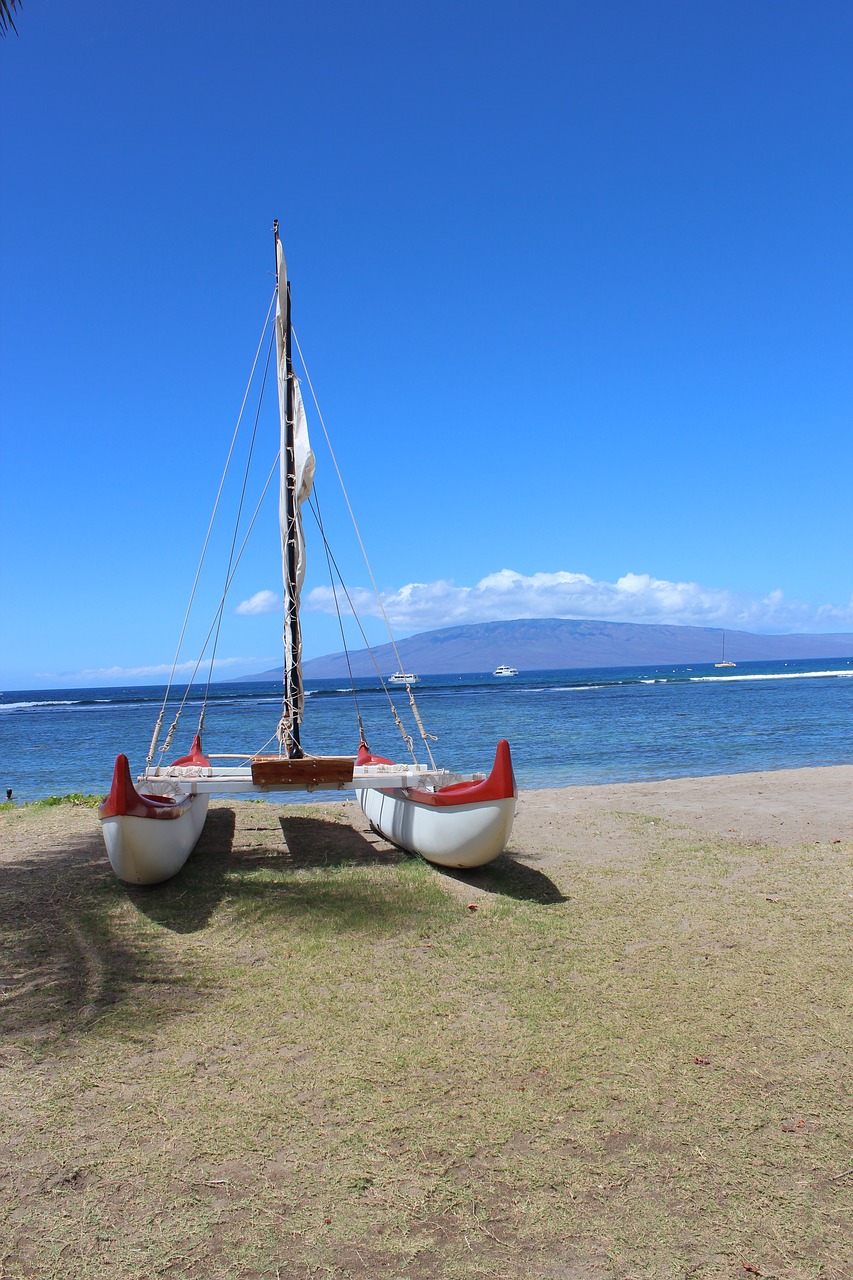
260, 602
635, 597
110, 674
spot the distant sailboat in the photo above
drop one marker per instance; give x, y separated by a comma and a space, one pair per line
723, 662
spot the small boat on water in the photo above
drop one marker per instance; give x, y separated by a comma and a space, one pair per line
723, 662
504, 671
451, 819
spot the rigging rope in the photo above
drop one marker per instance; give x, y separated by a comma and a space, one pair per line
313, 501
405, 735
233, 564
159, 725
424, 735
216, 616
236, 528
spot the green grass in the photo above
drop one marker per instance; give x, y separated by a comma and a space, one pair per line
308, 1056
50, 802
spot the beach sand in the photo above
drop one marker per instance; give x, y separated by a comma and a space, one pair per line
621, 1050
784, 808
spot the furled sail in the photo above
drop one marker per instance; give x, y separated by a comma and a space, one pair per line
296, 479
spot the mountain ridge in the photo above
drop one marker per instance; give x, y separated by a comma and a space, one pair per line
541, 644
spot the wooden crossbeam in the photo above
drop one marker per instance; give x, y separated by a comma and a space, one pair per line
308, 772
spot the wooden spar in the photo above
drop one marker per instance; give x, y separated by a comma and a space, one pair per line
308, 772
293, 676
293, 639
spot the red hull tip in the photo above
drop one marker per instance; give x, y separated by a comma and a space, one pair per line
366, 756
124, 801
499, 785
502, 775
196, 756
122, 791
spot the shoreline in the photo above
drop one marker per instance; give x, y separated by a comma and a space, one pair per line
564, 731
783, 807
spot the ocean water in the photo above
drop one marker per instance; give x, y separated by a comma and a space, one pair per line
565, 727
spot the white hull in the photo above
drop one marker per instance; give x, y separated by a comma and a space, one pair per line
147, 851
463, 824
461, 836
149, 837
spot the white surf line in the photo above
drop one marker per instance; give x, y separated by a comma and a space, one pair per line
777, 675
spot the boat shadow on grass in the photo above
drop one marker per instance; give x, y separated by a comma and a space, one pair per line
71, 955
313, 875
511, 879
261, 865
313, 843
316, 843
186, 903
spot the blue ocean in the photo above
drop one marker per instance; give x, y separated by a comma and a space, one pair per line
565, 727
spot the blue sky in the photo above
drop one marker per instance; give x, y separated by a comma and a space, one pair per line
573, 282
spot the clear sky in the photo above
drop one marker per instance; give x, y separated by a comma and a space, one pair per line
573, 282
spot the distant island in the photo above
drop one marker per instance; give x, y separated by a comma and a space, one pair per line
542, 644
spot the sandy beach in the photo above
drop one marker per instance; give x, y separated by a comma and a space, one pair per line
622, 1050
789, 807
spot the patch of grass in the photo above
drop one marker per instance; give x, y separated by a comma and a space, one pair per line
309, 1056
49, 802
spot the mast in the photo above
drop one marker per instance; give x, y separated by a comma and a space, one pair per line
289, 519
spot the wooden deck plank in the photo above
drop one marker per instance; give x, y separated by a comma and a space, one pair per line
309, 772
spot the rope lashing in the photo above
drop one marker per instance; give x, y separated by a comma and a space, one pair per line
407, 737
419, 723
285, 736
170, 735
154, 737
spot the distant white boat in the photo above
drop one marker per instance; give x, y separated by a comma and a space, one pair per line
404, 677
723, 662
504, 671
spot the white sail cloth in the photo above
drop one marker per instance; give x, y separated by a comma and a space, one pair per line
299, 466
